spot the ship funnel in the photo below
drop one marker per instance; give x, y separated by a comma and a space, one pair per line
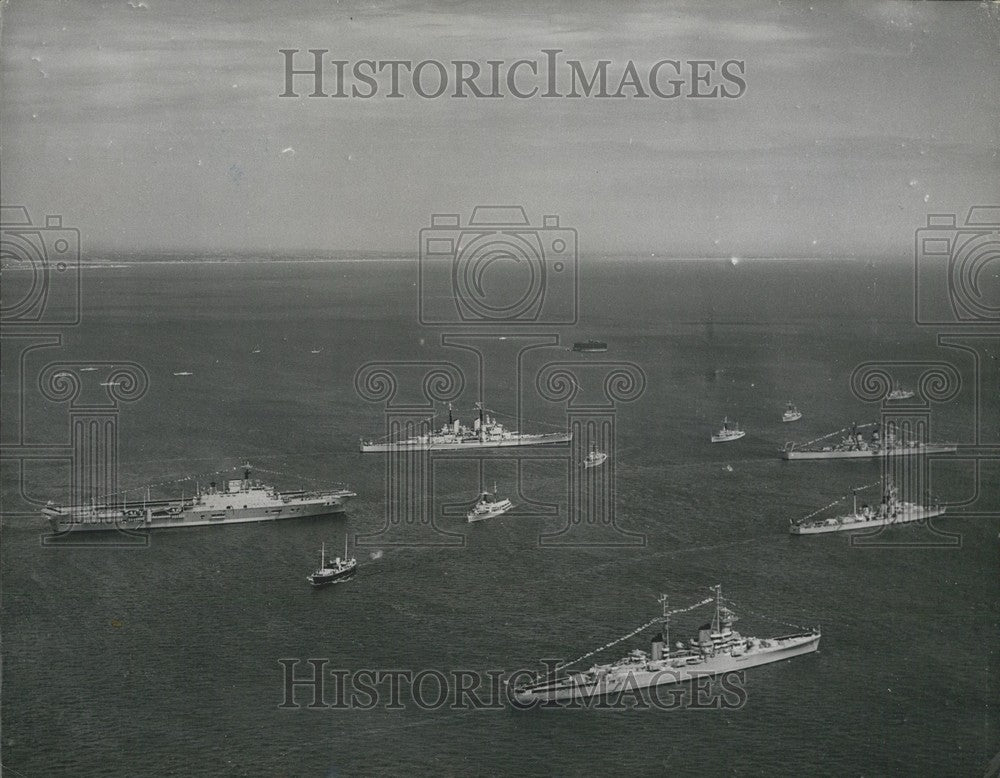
705, 636
657, 648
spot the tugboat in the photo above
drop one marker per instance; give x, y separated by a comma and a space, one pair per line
899, 393
791, 413
891, 511
338, 570
728, 432
595, 458
717, 649
488, 507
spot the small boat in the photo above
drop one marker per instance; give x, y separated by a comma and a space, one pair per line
590, 346
791, 413
488, 507
595, 458
184, 372
337, 570
730, 431
256, 349
316, 351
899, 393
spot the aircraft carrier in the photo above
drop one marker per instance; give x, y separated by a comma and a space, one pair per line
242, 500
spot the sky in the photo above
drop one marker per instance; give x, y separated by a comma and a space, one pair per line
157, 126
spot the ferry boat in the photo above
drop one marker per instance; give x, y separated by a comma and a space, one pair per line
590, 346
242, 500
595, 458
854, 446
488, 507
889, 512
729, 431
791, 413
329, 572
717, 649
486, 432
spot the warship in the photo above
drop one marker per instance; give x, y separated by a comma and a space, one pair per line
899, 393
488, 507
889, 512
486, 432
854, 446
242, 500
717, 649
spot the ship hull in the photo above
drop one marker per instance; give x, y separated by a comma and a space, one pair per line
643, 678
855, 454
107, 521
906, 517
323, 580
467, 445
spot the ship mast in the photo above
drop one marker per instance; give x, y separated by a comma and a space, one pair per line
666, 623
718, 607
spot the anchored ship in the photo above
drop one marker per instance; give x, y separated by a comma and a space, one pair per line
242, 500
854, 446
890, 511
791, 413
729, 431
590, 346
595, 458
899, 393
488, 507
486, 432
717, 649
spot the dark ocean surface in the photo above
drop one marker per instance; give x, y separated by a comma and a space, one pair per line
163, 659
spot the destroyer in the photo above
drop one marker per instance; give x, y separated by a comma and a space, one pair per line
854, 446
486, 432
717, 649
891, 511
243, 500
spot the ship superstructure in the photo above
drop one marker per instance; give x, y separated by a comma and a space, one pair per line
241, 500
717, 649
485, 432
854, 445
890, 511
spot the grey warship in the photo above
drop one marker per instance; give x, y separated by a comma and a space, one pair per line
854, 446
717, 649
242, 500
486, 432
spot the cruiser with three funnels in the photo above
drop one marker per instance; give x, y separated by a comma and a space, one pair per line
486, 432
243, 500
